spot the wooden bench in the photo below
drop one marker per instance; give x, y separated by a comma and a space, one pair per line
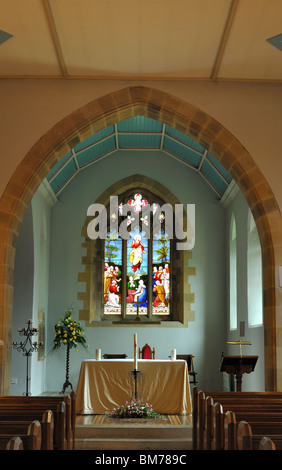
213, 434
29, 440
230, 431
247, 441
244, 436
40, 404
21, 418
266, 444
195, 417
15, 443
208, 432
26, 409
223, 435
262, 411
201, 420
13, 428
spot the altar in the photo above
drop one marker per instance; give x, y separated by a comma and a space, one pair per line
106, 384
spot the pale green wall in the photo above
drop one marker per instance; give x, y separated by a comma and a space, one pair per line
23, 299
31, 289
255, 335
205, 337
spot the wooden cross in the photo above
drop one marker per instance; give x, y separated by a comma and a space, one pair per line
240, 344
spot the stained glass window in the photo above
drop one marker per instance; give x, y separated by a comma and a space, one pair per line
137, 275
113, 274
161, 275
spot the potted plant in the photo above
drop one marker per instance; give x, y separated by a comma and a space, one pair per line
69, 333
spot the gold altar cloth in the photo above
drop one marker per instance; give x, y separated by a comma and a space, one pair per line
106, 384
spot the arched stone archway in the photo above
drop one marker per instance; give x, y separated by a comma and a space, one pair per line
188, 119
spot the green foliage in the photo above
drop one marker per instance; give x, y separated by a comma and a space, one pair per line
68, 332
135, 409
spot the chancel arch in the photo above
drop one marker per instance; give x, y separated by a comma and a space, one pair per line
163, 107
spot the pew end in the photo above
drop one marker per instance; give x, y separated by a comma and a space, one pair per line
15, 443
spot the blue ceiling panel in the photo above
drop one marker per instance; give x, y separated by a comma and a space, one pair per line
219, 184
220, 168
140, 133
100, 135
182, 152
146, 141
184, 139
58, 166
63, 176
85, 157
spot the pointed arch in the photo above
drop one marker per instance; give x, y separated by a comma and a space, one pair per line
91, 277
186, 118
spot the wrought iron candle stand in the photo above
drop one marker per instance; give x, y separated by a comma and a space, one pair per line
136, 375
27, 348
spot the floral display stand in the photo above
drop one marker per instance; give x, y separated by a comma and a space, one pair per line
69, 333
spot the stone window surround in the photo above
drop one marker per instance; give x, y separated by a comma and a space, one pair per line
92, 296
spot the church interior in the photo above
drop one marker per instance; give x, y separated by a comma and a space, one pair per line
170, 102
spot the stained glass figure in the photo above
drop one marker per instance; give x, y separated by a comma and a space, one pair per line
137, 273
161, 275
112, 274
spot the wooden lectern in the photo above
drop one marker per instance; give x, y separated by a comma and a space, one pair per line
238, 365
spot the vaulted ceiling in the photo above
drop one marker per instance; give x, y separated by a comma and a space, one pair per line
211, 40
135, 134
144, 40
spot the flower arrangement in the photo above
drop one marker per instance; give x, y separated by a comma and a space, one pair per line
68, 332
135, 409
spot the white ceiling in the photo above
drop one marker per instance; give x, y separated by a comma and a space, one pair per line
141, 39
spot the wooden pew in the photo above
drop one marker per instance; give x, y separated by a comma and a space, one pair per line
21, 405
219, 430
47, 426
218, 439
208, 422
262, 411
31, 439
202, 420
15, 419
249, 401
60, 434
209, 425
13, 428
15, 443
244, 436
195, 416
230, 431
34, 435
20, 418
245, 439
266, 444
73, 417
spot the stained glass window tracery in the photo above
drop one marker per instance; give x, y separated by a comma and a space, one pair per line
137, 270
